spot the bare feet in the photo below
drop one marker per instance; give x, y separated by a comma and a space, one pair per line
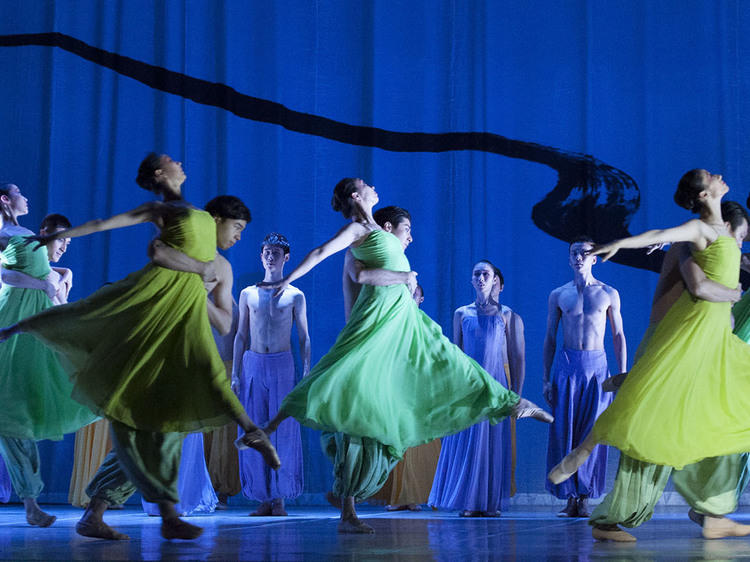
582, 509
35, 516
614, 382
721, 527
264, 510
353, 524
222, 504
396, 507
99, 530
259, 441
570, 510
176, 528
569, 465
527, 409
277, 508
335, 501
611, 533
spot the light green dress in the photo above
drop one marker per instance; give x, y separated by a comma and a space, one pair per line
392, 376
35, 389
140, 350
688, 396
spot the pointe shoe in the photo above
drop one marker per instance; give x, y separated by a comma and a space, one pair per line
527, 409
721, 527
568, 466
259, 441
611, 533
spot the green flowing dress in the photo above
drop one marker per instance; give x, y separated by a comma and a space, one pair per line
35, 389
140, 350
688, 396
391, 375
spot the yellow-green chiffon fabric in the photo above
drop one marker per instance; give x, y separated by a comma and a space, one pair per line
391, 375
35, 390
688, 396
140, 350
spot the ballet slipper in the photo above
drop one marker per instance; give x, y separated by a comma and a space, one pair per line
568, 466
259, 441
527, 409
722, 527
611, 533
396, 507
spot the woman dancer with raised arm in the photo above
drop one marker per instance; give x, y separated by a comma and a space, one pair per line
691, 381
35, 389
392, 380
142, 354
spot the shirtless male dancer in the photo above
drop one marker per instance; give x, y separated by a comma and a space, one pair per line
573, 377
263, 374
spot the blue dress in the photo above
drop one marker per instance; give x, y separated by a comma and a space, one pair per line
475, 469
193, 484
5, 486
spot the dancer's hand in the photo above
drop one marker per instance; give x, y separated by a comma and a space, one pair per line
411, 281
235, 384
651, 249
606, 251
50, 288
278, 286
208, 274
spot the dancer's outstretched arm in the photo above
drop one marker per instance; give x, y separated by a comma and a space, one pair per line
148, 212
694, 231
343, 239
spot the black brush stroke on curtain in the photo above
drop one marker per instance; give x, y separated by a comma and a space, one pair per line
590, 197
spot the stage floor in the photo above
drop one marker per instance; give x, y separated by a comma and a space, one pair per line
310, 534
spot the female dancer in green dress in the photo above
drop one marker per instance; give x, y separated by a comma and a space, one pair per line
691, 381
35, 389
141, 353
392, 380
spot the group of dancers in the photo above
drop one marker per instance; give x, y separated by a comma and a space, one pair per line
140, 352
390, 387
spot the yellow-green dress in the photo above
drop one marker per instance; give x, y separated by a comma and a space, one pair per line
392, 375
688, 396
35, 389
140, 350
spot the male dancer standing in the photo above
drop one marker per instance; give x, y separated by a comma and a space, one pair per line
263, 374
573, 377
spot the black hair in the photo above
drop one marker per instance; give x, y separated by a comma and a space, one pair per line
228, 207
733, 213
392, 214
276, 239
146, 177
52, 222
689, 188
495, 269
342, 197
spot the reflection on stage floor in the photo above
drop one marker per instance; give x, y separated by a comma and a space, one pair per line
310, 534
